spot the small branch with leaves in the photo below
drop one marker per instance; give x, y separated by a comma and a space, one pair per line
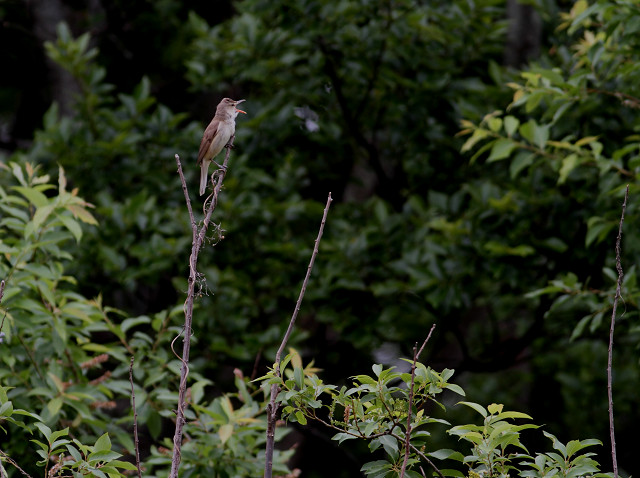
375, 408
416, 355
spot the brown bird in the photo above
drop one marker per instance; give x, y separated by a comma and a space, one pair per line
217, 136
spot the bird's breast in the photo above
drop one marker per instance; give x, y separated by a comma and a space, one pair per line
221, 138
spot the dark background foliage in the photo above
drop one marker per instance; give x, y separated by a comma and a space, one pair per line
363, 99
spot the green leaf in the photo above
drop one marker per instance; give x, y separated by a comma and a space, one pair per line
390, 445
102, 443
377, 369
579, 328
501, 149
511, 124
477, 135
34, 196
560, 111
302, 420
225, 432
454, 473
71, 225
18, 174
513, 415
522, 160
44, 446
569, 163
598, 229
123, 465
82, 214
478, 408
534, 100
556, 444
41, 215
340, 437
495, 124
574, 446
45, 430
535, 134
445, 453
375, 466
73, 451
6, 410
455, 388
499, 249
132, 322
298, 375
57, 434
54, 406
55, 446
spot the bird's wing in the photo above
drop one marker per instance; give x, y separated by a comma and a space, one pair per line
207, 138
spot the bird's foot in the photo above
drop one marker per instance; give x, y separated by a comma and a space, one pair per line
229, 146
223, 167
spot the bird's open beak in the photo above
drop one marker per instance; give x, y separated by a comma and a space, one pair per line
239, 110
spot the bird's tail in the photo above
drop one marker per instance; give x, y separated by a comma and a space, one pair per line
204, 176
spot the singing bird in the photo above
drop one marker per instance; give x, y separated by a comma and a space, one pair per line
217, 136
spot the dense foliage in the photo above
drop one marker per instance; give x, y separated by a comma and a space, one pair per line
470, 195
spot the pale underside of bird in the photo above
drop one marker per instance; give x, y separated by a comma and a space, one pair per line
217, 136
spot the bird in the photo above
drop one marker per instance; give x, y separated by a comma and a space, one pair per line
217, 136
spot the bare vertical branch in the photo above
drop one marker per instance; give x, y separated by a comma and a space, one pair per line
272, 407
613, 323
135, 419
5, 314
407, 436
198, 237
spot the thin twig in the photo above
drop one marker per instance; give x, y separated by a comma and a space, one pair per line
10, 461
425, 458
407, 440
135, 419
31, 357
272, 407
613, 322
198, 237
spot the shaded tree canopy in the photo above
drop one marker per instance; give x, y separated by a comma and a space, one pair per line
477, 153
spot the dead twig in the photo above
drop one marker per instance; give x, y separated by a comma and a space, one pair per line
407, 440
198, 237
425, 458
272, 407
613, 322
8, 458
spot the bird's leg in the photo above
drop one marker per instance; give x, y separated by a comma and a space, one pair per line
219, 166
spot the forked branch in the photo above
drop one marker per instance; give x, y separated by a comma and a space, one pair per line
198, 238
407, 442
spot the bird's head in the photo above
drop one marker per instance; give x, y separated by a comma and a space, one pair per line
229, 107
